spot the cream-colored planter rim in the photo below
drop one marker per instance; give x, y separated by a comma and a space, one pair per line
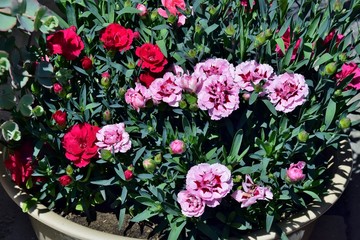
340, 179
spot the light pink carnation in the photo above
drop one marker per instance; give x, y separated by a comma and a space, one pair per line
287, 91
177, 146
165, 89
191, 204
209, 182
295, 172
113, 138
251, 192
250, 73
189, 83
219, 95
137, 97
142, 8
216, 66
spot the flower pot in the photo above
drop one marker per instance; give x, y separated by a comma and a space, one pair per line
49, 225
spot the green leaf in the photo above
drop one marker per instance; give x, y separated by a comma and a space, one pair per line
236, 144
26, 23
330, 113
211, 28
24, 105
130, 10
281, 44
269, 221
44, 74
10, 131
270, 106
144, 216
323, 59
162, 46
312, 194
7, 22
7, 97
176, 230
207, 230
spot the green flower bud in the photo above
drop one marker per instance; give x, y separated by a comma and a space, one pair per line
150, 129
193, 107
230, 30
158, 158
338, 93
212, 10
198, 28
171, 19
127, 3
192, 53
105, 82
38, 111
69, 170
149, 165
338, 6
268, 33
260, 39
303, 136
106, 115
330, 68
4, 65
344, 123
122, 92
237, 178
153, 16
35, 88
105, 154
343, 57
183, 104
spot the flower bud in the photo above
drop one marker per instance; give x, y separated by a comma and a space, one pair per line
57, 88
344, 123
192, 53
177, 147
212, 10
38, 111
260, 39
128, 174
230, 30
268, 33
237, 179
330, 68
153, 16
142, 8
246, 96
338, 6
171, 19
182, 104
69, 170
105, 80
86, 63
338, 93
343, 57
35, 88
198, 28
60, 118
106, 115
122, 92
127, 3
295, 172
303, 136
65, 180
194, 107
158, 158
149, 165
105, 154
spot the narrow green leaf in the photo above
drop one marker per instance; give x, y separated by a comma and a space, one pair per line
269, 222
176, 230
330, 113
323, 59
144, 216
236, 144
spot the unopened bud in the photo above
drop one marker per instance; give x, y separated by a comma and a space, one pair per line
268, 33
153, 16
237, 179
303, 136
105, 154
198, 28
344, 123
158, 158
338, 93
35, 88
260, 39
149, 165
338, 6
122, 92
212, 10
343, 57
183, 104
192, 53
38, 111
330, 68
105, 80
193, 107
230, 30
106, 115
69, 170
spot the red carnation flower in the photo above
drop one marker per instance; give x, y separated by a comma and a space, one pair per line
86, 63
65, 180
79, 144
116, 37
60, 118
151, 57
20, 164
65, 42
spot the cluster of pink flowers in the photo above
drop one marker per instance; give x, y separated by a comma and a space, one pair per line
217, 85
206, 185
251, 193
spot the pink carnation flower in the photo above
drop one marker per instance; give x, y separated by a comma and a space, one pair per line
191, 204
172, 6
250, 73
113, 138
251, 192
287, 91
165, 89
137, 97
142, 8
209, 182
216, 66
189, 83
177, 146
348, 69
295, 172
219, 95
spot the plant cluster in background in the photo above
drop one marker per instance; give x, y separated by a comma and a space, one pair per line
207, 118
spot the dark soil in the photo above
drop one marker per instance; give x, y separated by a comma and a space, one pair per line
108, 222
